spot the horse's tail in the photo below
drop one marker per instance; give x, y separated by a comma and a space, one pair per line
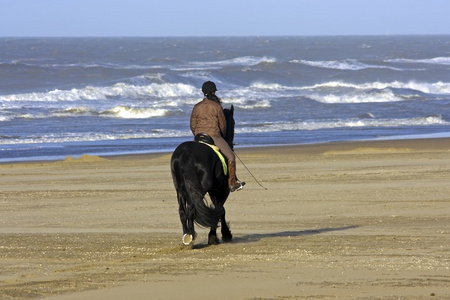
204, 214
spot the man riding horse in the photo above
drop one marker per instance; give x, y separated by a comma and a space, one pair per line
208, 118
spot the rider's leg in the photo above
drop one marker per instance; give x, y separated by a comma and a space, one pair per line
233, 182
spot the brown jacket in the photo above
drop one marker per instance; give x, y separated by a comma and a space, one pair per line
207, 117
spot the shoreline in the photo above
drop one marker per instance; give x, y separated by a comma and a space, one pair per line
347, 220
423, 142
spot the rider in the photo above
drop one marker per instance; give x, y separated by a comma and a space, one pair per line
207, 117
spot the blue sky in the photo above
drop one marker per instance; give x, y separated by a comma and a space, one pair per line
222, 18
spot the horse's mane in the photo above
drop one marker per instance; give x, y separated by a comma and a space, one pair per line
229, 117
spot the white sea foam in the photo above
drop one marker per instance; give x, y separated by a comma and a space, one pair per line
121, 111
433, 61
4, 118
79, 110
269, 86
129, 101
349, 123
347, 64
94, 137
377, 97
429, 88
126, 112
243, 127
101, 93
244, 103
345, 92
37, 63
240, 61
166, 93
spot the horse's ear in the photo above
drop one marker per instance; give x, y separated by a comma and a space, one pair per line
232, 109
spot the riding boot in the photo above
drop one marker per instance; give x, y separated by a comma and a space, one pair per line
233, 182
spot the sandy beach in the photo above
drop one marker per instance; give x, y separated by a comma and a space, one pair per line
359, 220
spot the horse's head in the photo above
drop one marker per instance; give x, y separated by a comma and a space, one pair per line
229, 137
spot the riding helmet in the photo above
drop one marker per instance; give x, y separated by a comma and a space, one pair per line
208, 87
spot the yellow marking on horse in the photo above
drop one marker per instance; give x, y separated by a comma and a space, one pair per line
220, 155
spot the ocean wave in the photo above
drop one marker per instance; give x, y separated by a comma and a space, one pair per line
5, 118
349, 123
126, 112
120, 111
431, 61
94, 137
243, 128
428, 88
238, 61
201, 66
79, 110
244, 103
270, 86
124, 90
17, 65
372, 97
123, 100
37, 64
347, 64
345, 92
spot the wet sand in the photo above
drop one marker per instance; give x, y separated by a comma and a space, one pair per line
360, 220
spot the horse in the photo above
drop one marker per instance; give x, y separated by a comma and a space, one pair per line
196, 171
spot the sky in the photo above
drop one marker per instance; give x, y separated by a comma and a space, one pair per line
67, 18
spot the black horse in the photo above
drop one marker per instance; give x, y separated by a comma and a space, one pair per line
197, 170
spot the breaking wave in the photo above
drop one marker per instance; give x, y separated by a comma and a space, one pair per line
347, 64
350, 123
432, 61
344, 92
123, 90
241, 61
126, 112
243, 128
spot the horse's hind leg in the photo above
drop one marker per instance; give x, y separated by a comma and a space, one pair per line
212, 236
225, 229
190, 234
226, 233
186, 213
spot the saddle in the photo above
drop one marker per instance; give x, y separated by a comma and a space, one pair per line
208, 140
204, 138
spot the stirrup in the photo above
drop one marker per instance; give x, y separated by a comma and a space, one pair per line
236, 187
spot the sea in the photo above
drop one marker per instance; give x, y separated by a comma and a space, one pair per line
64, 97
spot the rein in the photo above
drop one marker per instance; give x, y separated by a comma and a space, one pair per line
249, 171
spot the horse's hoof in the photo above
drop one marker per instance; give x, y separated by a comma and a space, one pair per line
187, 239
227, 238
213, 240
